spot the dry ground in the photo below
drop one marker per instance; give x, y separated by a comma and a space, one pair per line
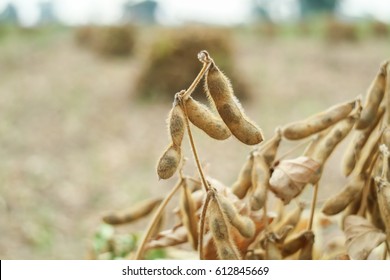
74, 144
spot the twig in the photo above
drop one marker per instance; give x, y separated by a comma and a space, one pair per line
156, 216
313, 207
206, 65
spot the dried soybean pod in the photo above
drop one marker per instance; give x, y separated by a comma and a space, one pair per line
176, 121
383, 190
243, 224
368, 153
219, 227
188, 215
204, 119
329, 142
301, 129
374, 97
220, 91
169, 161
136, 212
357, 143
269, 148
386, 68
291, 219
260, 182
244, 181
337, 203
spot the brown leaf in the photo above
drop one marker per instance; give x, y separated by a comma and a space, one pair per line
300, 241
171, 237
290, 176
362, 237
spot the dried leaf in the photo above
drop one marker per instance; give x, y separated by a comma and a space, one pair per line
361, 237
307, 250
290, 176
298, 242
171, 237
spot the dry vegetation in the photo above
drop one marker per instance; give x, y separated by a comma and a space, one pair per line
75, 145
239, 222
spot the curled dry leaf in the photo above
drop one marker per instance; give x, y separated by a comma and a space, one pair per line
300, 241
171, 237
290, 176
362, 237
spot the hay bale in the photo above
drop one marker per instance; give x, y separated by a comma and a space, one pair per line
172, 64
337, 31
107, 40
379, 29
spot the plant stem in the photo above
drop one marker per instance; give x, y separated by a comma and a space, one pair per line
202, 222
153, 222
193, 148
192, 87
385, 251
313, 206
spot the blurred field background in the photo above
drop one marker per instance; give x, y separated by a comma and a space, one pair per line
83, 110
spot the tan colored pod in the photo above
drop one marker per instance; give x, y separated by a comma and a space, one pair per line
328, 143
357, 143
220, 91
189, 216
219, 228
338, 202
368, 153
260, 182
177, 123
169, 161
386, 70
244, 181
304, 128
137, 211
374, 97
383, 190
203, 118
269, 148
243, 224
